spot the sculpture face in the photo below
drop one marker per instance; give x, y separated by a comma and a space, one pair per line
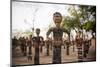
37, 31
57, 19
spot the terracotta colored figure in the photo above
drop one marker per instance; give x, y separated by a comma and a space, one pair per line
57, 37
37, 42
79, 42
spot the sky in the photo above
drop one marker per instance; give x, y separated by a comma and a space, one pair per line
27, 15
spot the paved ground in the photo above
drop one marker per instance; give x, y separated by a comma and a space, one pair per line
20, 60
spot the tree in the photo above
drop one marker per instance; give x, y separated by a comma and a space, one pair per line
81, 17
68, 24
89, 15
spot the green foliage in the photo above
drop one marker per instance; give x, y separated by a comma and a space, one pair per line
90, 25
80, 12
